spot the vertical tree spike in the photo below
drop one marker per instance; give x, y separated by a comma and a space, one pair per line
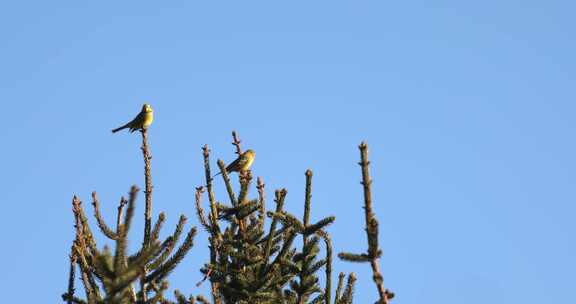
215, 235
148, 182
371, 224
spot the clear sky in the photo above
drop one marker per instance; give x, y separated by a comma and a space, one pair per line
468, 108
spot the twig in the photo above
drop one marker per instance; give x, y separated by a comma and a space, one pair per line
130, 210
72, 299
328, 289
261, 203
143, 292
161, 272
80, 246
72, 276
339, 288
302, 298
200, 210
202, 300
121, 205
236, 143
157, 227
371, 224
226, 178
101, 223
349, 291
211, 199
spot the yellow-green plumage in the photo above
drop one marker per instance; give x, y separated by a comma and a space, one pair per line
243, 162
142, 121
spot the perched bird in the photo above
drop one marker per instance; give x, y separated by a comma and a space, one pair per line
142, 121
242, 163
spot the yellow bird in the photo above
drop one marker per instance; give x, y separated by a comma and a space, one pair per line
142, 121
242, 163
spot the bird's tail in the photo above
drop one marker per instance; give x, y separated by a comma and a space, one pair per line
120, 128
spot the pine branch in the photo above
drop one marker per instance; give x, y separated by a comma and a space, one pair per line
311, 229
120, 253
133, 271
202, 300
280, 196
339, 288
101, 223
130, 210
291, 235
245, 178
213, 221
169, 265
159, 293
169, 244
121, 205
82, 224
85, 272
261, 204
348, 295
200, 211
72, 299
180, 297
211, 199
371, 224
328, 288
308, 281
355, 258
226, 179
373, 253
288, 220
158, 226
71, 276
236, 143
148, 191
83, 242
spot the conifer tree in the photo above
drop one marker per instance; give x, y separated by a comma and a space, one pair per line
249, 261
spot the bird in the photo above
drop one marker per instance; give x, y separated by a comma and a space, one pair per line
141, 122
242, 163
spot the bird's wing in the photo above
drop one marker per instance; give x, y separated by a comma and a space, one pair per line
137, 122
235, 165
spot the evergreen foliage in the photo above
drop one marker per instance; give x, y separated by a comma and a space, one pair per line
249, 262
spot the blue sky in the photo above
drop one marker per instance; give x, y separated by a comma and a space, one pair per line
468, 109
